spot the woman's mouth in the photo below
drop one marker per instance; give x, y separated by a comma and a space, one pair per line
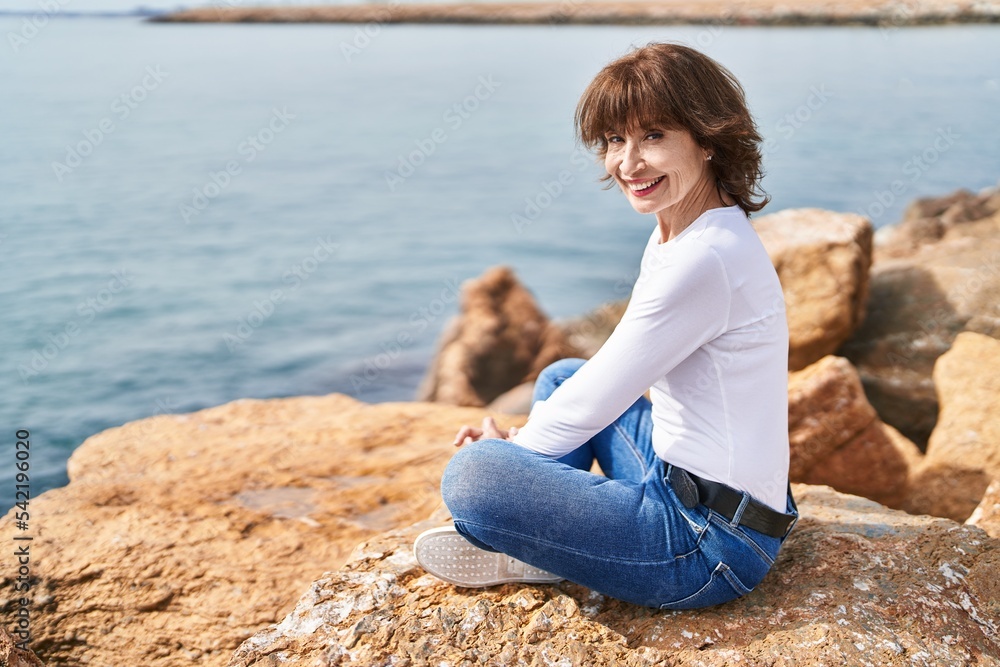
643, 188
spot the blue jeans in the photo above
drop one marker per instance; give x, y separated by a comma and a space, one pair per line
624, 534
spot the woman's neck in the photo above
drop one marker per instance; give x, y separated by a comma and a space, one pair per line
675, 219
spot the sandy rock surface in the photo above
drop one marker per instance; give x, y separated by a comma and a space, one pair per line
12, 656
179, 536
963, 454
822, 259
855, 584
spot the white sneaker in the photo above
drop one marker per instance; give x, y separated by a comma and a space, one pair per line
447, 555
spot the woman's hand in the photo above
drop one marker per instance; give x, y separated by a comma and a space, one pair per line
468, 434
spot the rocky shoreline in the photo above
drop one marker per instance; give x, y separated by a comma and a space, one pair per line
882, 13
272, 532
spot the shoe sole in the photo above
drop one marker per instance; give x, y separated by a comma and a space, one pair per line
447, 555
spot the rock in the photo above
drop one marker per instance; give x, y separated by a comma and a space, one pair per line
876, 463
963, 454
855, 584
822, 259
987, 513
516, 401
837, 439
179, 536
926, 220
923, 293
500, 339
588, 332
12, 656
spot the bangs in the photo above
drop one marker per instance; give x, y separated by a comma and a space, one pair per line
624, 98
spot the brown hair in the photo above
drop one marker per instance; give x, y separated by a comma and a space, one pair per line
674, 86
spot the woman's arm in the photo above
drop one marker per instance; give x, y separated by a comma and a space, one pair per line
679, 303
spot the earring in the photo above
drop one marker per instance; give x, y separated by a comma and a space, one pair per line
709, 157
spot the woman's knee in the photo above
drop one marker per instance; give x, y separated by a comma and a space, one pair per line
559, 370
467, 475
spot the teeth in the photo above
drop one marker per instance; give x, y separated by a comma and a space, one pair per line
644, 184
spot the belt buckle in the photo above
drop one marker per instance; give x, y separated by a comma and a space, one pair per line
683, 486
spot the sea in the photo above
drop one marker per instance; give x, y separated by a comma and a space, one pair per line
193, 214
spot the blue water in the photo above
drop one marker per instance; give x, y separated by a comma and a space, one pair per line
303, 265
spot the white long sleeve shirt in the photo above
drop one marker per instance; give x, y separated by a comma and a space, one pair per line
705, 332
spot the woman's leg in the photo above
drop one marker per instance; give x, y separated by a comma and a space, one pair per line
625, 534
624, 448
616, 533
622, 538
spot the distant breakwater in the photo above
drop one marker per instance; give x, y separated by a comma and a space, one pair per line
884, 15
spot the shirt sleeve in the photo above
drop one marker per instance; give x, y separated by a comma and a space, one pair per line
679, 302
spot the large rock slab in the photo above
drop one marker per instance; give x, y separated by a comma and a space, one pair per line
855, 584
933, 276
179, 536
822, 259
963, 454
500, 339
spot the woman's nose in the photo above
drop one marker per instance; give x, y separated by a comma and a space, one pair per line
631, 159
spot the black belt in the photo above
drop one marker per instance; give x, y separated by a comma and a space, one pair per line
725, 500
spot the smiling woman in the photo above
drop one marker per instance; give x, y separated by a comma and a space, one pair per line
660, 169
694, 502
666, 87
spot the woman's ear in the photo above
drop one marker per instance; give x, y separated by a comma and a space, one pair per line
707, 150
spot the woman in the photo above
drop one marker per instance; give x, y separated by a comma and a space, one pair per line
694, 502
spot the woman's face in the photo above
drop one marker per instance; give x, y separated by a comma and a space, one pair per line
657, 168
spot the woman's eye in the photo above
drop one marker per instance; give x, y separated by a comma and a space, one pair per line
613, 139
654, 135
